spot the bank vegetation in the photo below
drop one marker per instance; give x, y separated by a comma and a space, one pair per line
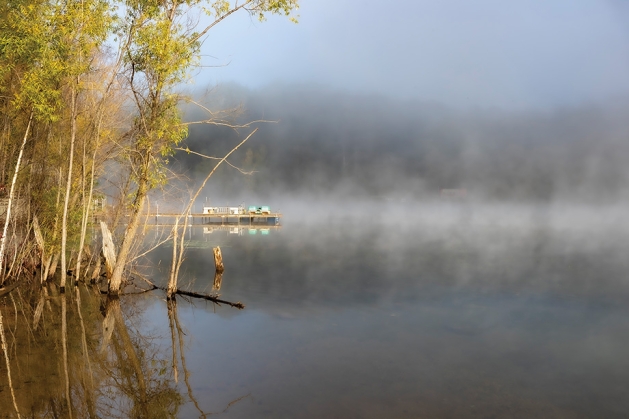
86, 87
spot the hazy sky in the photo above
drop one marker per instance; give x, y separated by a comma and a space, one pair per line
514, 54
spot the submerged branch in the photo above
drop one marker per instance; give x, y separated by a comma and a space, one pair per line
217, 300
193, 294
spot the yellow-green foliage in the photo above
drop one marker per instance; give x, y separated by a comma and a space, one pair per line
102, 75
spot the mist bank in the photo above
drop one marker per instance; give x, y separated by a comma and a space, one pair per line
328, 143
488, 254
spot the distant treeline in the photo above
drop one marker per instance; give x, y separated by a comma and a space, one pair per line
326, 141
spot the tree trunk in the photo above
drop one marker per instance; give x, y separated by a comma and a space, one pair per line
125, 248
53, 265
172, 281
109, 250
64, 219
39, 238
87, 203
12, 191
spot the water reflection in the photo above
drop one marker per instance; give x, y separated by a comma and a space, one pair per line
82, 359
469, 318
241, 231
476, 317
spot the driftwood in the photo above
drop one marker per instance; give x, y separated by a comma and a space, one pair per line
218, 260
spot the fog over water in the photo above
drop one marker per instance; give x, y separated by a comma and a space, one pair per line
340, 146
453, 183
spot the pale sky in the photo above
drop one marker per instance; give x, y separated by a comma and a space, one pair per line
489, 53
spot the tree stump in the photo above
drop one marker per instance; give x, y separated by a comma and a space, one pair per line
218, 260
109, 250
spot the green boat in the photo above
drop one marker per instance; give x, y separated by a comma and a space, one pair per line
263, 209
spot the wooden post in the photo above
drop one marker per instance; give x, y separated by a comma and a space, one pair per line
218, 260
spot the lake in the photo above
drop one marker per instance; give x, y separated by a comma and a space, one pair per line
450, 311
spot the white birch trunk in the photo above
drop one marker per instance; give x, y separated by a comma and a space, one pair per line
66, 201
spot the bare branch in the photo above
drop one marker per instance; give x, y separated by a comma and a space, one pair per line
217, 21
187, 150
228, 124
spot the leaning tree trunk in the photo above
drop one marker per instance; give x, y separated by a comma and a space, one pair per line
127, 242
12, 191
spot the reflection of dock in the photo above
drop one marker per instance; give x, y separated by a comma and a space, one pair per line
271, 219
241, 231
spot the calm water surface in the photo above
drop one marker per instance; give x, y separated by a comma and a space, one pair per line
469, 316
473, 317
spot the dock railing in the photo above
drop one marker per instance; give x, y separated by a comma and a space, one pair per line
224, 210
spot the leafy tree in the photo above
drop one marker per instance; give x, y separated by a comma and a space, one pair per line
159, 49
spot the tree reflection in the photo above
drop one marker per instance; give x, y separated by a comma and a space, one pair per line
79, 357
218, 280
175, 329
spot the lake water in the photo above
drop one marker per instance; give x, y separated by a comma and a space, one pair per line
476, 313
461, 315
